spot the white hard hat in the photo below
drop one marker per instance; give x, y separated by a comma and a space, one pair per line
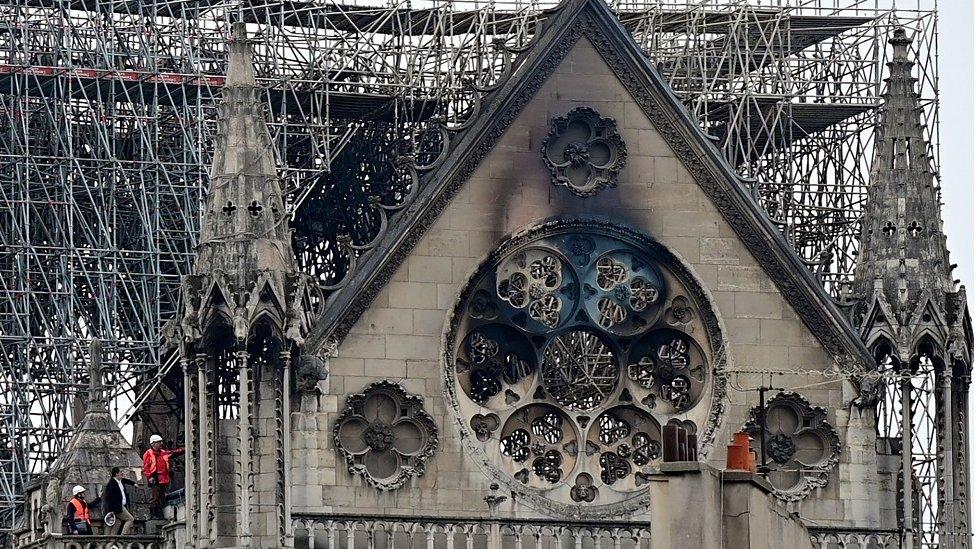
77, 490
155, 438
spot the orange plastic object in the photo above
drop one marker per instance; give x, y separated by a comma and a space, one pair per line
739, 453
741, 439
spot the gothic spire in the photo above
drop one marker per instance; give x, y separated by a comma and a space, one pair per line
244, 225
903, 249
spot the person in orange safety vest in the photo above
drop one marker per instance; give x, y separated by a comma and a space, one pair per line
76, 513
156, 469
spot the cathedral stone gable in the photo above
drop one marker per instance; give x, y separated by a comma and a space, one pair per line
399, 335
593, 20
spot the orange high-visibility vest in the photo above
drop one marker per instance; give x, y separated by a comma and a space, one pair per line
81, 511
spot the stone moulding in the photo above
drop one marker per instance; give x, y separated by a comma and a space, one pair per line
385, 435
473, 430
584, 152
802, 447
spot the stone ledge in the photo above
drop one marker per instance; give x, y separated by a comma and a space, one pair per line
726, 475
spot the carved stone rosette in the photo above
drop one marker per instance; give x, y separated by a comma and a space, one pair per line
802, 447
584, 152
569, 348
385, 435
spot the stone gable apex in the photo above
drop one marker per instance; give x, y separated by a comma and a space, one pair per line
572, 20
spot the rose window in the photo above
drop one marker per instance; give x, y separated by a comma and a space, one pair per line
568, 349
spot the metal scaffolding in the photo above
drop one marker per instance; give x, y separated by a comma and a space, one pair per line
108, 112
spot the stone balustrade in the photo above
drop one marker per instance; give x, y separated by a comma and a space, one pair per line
854, 538
59, 541
394, 532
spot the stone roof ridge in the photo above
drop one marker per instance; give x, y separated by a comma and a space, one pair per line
566, 24
903, 246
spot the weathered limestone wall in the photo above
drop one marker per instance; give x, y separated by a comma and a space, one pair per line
399, 338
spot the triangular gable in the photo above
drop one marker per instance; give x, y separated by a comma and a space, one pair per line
569, 22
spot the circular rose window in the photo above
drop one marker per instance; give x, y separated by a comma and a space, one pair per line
569, 348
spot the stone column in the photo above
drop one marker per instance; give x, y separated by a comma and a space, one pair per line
908, 515
206, 533
244, 458
190, 429
963, 499
948, 460
283, 422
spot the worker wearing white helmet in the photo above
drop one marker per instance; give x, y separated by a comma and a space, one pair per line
155, 467
78, 518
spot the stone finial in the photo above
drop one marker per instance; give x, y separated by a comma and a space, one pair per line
95, 447
97, 395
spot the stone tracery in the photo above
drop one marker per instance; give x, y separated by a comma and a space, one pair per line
566, 407
385, 435
579, 370
802, 447
584, 152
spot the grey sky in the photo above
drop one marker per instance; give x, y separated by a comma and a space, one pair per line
956, 130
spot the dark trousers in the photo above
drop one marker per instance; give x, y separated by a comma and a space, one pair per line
157, 498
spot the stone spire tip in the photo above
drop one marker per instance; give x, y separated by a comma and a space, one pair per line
240, 66
902, 224
900, 37
899, 43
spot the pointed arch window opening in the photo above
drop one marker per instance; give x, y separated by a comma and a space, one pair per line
916, 391
263, 352
927, 466
888, 409
225, 384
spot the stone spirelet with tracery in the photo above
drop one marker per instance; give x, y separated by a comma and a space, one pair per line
568, 349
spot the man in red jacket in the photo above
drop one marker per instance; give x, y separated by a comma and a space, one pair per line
155, 467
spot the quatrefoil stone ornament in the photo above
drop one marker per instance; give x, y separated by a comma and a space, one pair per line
584, 152
385, 435
802, 447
